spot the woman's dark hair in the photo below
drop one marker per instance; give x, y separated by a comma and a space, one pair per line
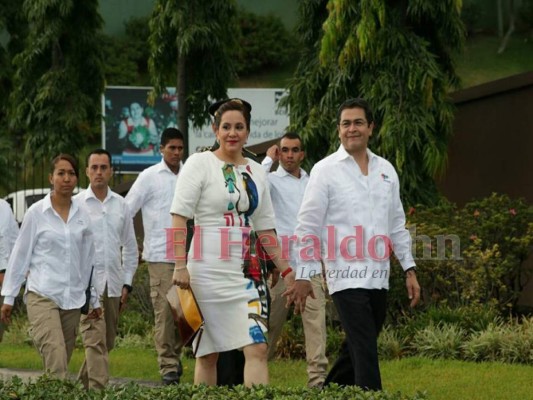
66, 157
234, 105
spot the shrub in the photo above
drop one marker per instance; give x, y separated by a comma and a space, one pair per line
391, 346
480, 262
18, 332
439, 341
135, 341
48, 388
511, 342
291, 343
132, 322
473, 318
484, 346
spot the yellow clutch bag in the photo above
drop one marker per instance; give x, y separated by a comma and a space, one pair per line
187, 314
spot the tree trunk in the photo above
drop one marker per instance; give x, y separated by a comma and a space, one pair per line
500, 18
183, 113
505, 40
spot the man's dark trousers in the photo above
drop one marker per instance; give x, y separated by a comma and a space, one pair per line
362, 313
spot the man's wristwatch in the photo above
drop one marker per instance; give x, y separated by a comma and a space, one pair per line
129, 288
410, 269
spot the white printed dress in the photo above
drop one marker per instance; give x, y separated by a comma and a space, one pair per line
225, 201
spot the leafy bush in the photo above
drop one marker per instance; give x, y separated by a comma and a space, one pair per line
391, 346
135, 341
291, 343
472, 318
485, 345
18, 332
472, 255
132, 322
48, 388
439, 341
511, 342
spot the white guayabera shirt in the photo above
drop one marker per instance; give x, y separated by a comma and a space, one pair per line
152, 193
116, 254
287, 193
351, 221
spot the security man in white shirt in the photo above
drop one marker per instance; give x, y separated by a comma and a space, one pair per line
9, 230
116, 260
287, 187
152, 193
352, 216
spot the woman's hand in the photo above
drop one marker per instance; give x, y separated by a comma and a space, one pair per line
181, 277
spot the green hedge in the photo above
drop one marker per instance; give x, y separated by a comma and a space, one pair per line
469, 255
47, 388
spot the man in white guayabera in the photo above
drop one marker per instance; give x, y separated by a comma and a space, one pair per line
353, 197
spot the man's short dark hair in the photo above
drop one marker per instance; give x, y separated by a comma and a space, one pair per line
356, 103
292, 136
169, 134
99, 151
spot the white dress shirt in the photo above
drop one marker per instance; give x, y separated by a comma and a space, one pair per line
152, 193
340, 198
116, 254
56, 256
9, 230
287, 192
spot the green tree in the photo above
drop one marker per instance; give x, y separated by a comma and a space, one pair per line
397, 54
58, 77
126, 58
191, 44
13, 24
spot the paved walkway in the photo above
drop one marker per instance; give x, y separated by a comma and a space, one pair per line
26, 375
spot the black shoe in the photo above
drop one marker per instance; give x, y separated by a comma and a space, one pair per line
171, 378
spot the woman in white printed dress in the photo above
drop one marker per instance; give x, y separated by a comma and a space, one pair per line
227, 195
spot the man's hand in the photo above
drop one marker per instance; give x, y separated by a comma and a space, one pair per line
123, 299
95, 313
298, 293
273, 152
5, 313
413, 288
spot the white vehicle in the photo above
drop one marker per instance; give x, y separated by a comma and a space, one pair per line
21, 200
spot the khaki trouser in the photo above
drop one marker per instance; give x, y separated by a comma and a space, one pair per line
53, 331
314, 322
167, 340
98, 340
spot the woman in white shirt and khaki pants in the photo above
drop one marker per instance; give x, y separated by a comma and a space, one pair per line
54, 253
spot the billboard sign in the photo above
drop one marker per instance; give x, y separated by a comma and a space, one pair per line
131, 128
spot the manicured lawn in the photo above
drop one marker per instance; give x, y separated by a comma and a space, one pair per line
480, 62
441, 379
